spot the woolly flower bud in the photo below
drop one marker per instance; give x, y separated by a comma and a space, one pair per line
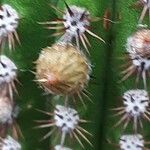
131, 142
62, 69
138, 44
9, 144
59, 147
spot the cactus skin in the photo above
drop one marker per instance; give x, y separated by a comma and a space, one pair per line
33, 38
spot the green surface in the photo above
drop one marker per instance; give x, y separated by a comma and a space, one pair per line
104, 58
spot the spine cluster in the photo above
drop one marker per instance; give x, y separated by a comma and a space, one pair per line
63, 69
135, 102
10, 131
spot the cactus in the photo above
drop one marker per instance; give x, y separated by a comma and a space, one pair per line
51, 91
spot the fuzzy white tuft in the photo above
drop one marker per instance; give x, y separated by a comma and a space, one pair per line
131, 142
141, 63
9, 20
136, 102
9, 144
75, 24
138, 46
66, 118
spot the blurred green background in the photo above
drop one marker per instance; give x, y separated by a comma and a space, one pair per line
104, 58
